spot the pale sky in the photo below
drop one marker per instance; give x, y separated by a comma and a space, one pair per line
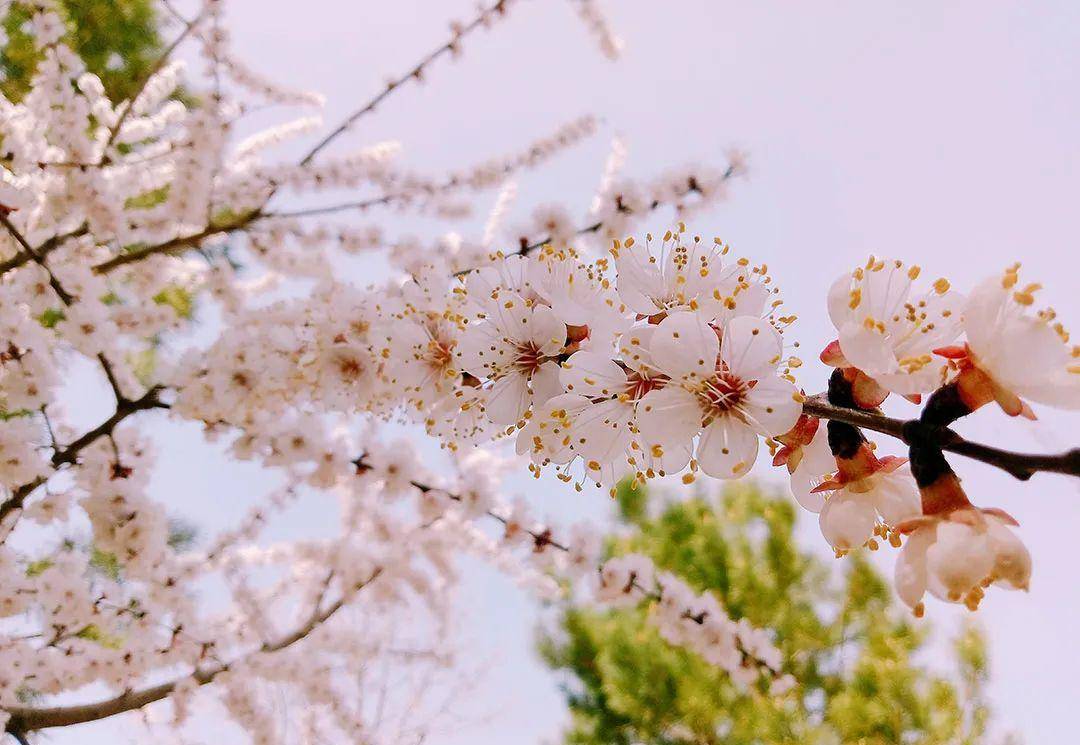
945, 136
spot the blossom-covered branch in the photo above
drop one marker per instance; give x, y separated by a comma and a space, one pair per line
29, 719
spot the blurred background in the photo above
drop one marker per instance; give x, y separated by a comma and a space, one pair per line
942, 134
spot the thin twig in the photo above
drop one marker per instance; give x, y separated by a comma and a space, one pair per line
69, 454
416, 73
1021, 465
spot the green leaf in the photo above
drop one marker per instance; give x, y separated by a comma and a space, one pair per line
106, 563
51, 317
93, 633
142, 364
34, 568
177, 298
17, 414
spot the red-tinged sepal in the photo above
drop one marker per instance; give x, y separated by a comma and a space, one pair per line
910, 526
783, 455
915, 398
830, 485
953, 352
866, 392
832, 355
890, 463
1002, 515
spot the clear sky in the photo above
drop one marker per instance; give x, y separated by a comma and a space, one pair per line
941, 133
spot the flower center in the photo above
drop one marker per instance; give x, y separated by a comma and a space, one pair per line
722, 393
528, 358
637, 385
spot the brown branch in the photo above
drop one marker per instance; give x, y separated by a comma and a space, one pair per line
1021, 465
540, 540
174, 246
24, 256
31, 719
70, 453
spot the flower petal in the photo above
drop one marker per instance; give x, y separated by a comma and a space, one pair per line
751, 347
728, 448
592, 374
684, 345
770, 406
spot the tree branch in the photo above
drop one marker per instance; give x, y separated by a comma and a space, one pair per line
70, 454
416, 73
1020, 465
30, 719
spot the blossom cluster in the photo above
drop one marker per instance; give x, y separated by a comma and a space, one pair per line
120, 270
144, 252
962, 351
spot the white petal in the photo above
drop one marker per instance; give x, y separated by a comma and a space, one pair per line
1012, 560
896, 496
508, 399
482, 350
685, 345
867, 349
910, 571
544, 329
751, 347
847, 520
803, 481
592, 374
601, 432
544, 383
639, 280
839, 299
668, 418
958, 560
728, 448
817, 457
770, 406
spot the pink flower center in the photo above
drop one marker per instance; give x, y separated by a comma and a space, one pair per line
722, 393
637, 385
528, 358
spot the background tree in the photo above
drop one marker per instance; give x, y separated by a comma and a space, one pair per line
853, 652
117, 39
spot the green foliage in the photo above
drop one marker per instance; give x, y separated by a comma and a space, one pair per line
177, 298
105, 562
850, 649
117, 39
50, 317
93, 633
6, 415
34, 568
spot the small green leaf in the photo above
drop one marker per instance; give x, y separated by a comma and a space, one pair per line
93, 633
176, 298
17, 414
143, 363
51, 317
34, 568
106, 563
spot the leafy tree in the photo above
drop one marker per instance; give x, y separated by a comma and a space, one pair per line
117, 39
851, 650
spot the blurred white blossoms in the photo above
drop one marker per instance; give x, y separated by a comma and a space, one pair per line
889, 333
695, 621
